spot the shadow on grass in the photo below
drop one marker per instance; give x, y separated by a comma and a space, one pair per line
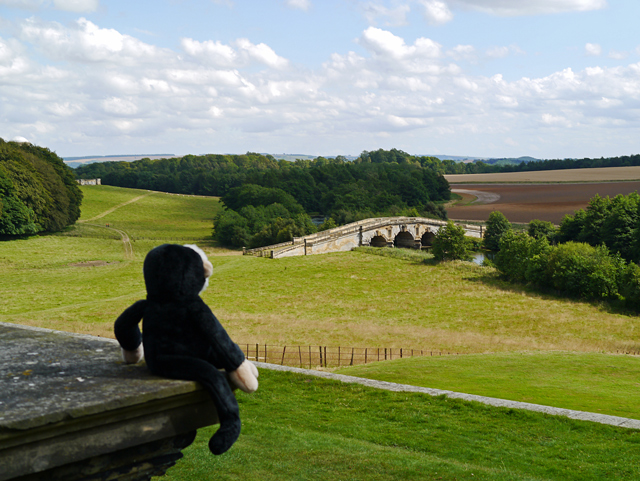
409, 255
498, 281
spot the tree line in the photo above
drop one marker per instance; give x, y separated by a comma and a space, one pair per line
480, 167
38, 192
377, 183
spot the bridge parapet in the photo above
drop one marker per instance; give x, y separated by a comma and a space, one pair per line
412, 232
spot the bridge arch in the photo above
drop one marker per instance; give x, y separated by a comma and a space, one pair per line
378, 241
427, 239
404, 239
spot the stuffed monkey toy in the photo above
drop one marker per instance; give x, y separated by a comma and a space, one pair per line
182, 338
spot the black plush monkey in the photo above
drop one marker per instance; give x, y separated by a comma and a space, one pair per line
182, 338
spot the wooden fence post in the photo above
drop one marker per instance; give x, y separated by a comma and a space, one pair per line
352, 349
257, 348
300, 354
283, 351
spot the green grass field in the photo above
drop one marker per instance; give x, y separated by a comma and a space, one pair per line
82, 280
299, 428
592, 382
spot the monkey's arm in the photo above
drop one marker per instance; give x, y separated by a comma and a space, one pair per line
128, 333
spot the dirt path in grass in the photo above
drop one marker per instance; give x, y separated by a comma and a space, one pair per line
109, 211
126, 241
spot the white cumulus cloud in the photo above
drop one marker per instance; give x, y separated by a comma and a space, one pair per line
530, 7
385, 44
393, 16
436, 12
76, 6
214, 96
86, 42
240, 54
593, 49
298, 4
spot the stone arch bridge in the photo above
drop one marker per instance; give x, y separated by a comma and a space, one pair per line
408, 232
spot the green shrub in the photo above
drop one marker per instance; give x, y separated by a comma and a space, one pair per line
450, 243
497, 225
517, 250
231, 229
542, 228
630, 286
585, 271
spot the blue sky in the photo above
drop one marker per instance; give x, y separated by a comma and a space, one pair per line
490, 78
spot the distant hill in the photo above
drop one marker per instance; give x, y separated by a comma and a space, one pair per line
510, 161
75, 162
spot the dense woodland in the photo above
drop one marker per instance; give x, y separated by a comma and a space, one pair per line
38, 192
268, 200
374, 182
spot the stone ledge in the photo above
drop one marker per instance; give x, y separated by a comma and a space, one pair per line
68, 398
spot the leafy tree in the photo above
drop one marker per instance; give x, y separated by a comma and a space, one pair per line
571, 226
497, 225
630, 285
542, 228
586, 271
38, 192
281, 230
595, 215
327, 224
520, 254
256, 195
617, 228
450, 243
231, 229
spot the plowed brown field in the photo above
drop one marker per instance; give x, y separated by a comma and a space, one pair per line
525, 202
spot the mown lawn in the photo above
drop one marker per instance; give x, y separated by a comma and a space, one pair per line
298, 427
592, 382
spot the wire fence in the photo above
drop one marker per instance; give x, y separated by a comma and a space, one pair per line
325, 356
313, 357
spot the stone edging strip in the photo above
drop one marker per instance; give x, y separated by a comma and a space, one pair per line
390, 386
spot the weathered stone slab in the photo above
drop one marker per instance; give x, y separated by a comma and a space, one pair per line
65, 398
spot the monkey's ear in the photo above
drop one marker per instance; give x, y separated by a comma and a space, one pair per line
208, 267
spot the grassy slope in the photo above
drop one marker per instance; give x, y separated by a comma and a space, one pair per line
342, 299
300, 428
42, 285
356, 299
153, 214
